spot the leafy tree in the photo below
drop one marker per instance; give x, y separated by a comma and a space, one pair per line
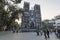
47, 25
15, 24
9, 15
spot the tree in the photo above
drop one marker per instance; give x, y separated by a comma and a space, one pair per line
9, 15
47, 25
15, 24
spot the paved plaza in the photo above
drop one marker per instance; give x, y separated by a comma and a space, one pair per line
25, 36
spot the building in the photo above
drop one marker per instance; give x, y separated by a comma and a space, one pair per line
57, 17
26, 14
57, 23
37, 15
31, 18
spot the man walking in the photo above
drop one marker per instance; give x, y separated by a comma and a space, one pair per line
37, 32
48, 33
45, 33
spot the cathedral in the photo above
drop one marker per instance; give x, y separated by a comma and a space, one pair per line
31, 19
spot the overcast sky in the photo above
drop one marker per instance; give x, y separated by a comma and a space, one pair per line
49, 8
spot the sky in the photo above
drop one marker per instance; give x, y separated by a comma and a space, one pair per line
49, 8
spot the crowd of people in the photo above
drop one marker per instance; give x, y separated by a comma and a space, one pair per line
44, 32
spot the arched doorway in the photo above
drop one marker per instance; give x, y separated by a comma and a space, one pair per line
32, 25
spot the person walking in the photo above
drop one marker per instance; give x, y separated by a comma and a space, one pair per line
37, 32
41, 32
48, 33
45, 33
13, 29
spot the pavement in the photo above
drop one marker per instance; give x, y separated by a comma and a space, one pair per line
26, 36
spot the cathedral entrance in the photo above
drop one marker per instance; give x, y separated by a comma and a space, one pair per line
32, 25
